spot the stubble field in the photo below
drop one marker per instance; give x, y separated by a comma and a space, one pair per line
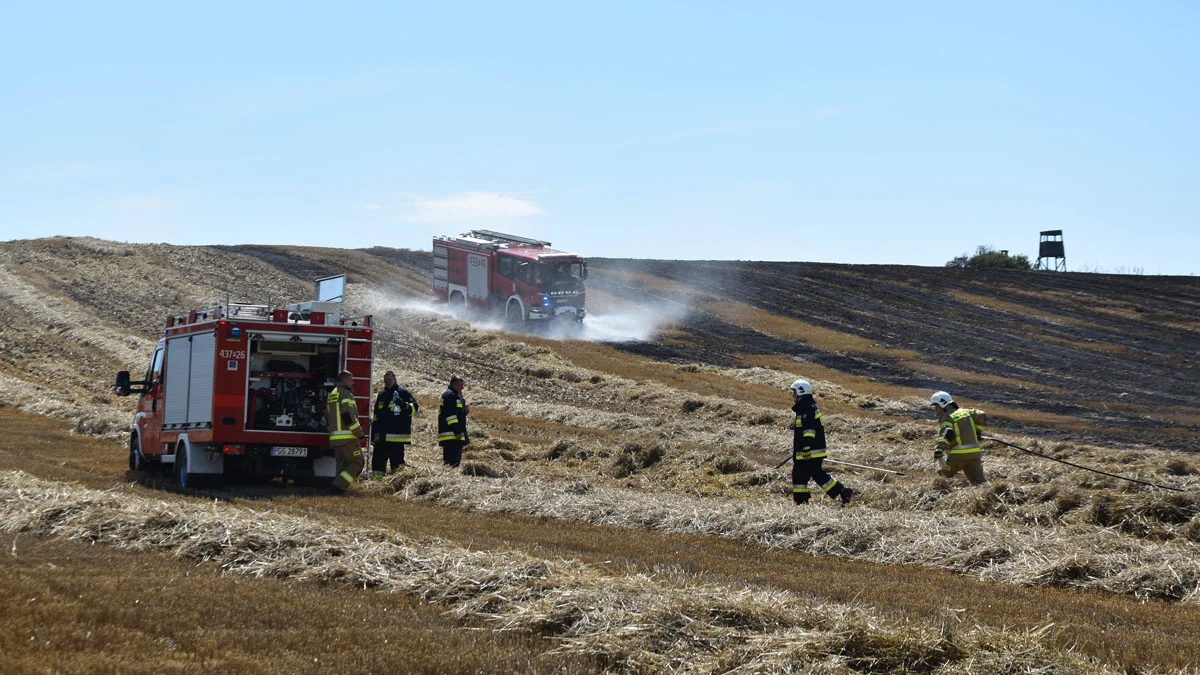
617, 510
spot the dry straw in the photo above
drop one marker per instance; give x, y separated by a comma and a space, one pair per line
633, 622
1090, 557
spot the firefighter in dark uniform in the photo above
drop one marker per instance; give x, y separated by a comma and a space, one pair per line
808, 448
391, 426
345, 433
957, 446
452, 423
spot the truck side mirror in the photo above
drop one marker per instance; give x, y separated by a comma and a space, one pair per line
122, 386
585, 271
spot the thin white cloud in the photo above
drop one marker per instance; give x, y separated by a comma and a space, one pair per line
470, 206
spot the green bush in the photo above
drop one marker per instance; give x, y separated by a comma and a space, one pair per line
987, 257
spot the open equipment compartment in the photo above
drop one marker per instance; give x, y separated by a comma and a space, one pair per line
288, 380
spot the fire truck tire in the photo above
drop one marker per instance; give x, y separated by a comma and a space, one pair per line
514, 315
136, 461
182, 478
458, 304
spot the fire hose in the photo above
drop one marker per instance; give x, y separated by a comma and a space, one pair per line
1079, 466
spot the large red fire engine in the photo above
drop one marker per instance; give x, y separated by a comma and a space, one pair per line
518, 278
240, 389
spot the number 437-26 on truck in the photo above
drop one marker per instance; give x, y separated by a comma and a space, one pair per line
239, 390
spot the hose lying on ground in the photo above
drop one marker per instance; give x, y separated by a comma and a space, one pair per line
834, 461
1079, 466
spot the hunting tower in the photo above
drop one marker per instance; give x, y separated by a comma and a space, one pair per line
1051, 255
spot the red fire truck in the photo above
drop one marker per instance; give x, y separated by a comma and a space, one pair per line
239, 390
520, 279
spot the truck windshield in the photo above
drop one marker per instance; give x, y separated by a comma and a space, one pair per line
559, 272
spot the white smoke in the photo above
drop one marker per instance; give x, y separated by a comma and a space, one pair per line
635, 324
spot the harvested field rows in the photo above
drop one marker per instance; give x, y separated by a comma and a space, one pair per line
1119, 337
71, 606
653, 458
1151, 632
633, 621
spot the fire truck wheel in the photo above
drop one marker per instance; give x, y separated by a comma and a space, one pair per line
514, 315
458, 305
136, 461
182, 478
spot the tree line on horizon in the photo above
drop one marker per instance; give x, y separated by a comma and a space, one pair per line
987, 257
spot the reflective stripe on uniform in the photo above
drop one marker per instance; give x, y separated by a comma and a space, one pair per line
397, 438
961, 421
829, 486
447, 437
453, 419
800, 490
812, 454
336, 404
347, 477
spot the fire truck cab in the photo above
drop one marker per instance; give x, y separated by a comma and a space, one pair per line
239, 390
520, 279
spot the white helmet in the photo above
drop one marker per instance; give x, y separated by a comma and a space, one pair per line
801, 388
941, 399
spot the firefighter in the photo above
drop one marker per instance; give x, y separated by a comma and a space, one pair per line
958, 436
344, 433
391, 426
452, 423
808, 448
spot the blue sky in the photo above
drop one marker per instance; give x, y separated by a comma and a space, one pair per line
845, 132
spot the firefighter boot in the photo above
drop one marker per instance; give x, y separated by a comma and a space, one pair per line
800, 497
846, 494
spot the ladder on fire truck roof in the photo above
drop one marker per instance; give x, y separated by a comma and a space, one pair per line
229, 310
511, 239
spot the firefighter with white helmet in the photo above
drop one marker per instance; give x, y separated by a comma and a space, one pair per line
958, 438
808, 448
345, 433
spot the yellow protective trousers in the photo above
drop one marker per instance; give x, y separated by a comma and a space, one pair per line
350, 463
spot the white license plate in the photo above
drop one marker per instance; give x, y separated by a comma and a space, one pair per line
288, 451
